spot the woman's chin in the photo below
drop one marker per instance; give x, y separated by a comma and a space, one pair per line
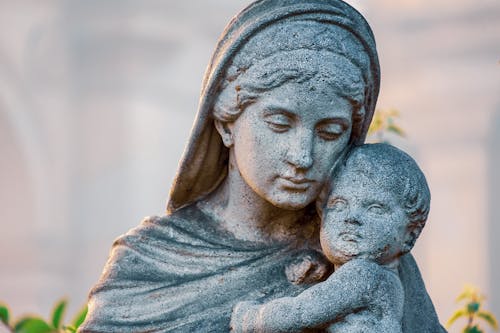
291, 200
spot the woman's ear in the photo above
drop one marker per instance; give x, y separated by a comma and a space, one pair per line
225, 131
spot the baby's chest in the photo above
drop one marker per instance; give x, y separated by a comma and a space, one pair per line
366, 322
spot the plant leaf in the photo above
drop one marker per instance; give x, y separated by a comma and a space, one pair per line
375, 126
4, 314
457, 314
70, 329
58, 313
80, 317
489, 317
470, 293
473, 329
393, 113
396, 130
473, 307
32, 325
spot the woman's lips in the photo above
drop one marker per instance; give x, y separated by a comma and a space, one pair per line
297, 183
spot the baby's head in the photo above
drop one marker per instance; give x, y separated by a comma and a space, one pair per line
374, 207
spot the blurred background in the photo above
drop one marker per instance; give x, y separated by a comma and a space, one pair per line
97, 100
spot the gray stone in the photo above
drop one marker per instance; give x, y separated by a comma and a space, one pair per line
373, 210
290, 90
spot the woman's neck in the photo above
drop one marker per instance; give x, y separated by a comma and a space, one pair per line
250, 217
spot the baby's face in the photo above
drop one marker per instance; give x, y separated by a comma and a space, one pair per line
362, 219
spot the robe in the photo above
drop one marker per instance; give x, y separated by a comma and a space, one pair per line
183, 273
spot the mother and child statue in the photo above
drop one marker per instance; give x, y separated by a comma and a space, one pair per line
280, 218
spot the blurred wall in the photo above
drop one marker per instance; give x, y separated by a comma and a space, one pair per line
97, 99
494, 209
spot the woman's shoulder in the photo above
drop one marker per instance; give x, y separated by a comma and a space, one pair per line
189, 219
189, 227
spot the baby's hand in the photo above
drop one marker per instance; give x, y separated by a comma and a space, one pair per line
308, 268
244, 317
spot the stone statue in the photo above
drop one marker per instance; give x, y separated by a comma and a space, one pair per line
290, 90
373, 212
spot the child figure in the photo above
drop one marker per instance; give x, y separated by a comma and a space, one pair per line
372, 213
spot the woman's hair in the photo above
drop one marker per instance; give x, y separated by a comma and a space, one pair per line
322, 54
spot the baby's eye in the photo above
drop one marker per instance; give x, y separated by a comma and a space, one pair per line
377, 209
278, 122
330, 131
336, 204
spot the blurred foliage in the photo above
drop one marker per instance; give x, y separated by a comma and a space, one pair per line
472, 311
383, 123
36, 324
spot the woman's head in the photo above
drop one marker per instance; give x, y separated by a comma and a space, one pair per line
307, 51
284, 144
306, 98
281, 48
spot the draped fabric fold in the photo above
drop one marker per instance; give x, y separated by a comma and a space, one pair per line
182, 274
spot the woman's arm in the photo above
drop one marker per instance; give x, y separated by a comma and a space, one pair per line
345, 291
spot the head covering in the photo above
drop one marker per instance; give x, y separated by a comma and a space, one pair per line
204, 163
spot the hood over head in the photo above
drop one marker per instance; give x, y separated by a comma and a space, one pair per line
331, 25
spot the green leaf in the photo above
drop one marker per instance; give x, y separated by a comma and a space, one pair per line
489, 317
58, 313
473, 329
4, 314
396, 130
32, 325
80, 317
457, 314
70, 329
473, 307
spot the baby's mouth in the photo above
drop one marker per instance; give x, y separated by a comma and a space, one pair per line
349, 236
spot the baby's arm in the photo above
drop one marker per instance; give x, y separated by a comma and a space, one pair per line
345, 291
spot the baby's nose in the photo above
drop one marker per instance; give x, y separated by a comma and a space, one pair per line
353, 221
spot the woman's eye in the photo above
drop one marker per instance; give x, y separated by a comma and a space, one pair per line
278, 122
377, 209
337, 205
330, 131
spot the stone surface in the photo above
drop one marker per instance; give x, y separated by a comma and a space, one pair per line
291, 88
373, 210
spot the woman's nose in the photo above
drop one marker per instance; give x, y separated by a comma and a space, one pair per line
300, 151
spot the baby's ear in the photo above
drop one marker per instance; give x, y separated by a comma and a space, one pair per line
412, 232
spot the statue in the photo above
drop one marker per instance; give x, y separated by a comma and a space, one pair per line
289, 92
373, 211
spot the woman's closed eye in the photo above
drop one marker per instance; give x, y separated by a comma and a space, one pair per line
330, 131
278, 122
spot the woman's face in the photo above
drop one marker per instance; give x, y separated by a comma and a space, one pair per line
286, 143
